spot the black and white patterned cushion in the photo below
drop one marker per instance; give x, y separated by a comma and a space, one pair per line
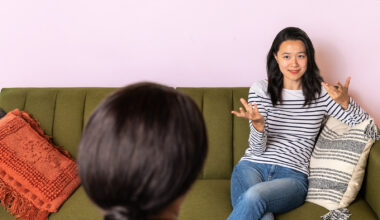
338, 163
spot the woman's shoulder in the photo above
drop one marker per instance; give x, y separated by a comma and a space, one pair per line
323, 92
260, 88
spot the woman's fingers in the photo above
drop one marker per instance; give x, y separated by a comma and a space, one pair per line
332, 89
242, 112
256, 109
234, 112
340, 87
248, 107
251, 111
347, 83
238, 114
339, 92
245, 104
328, 87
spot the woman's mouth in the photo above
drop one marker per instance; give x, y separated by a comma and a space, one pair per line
294, 71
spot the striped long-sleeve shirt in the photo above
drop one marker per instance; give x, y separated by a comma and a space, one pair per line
291, 128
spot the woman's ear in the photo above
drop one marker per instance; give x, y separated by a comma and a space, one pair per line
275, 56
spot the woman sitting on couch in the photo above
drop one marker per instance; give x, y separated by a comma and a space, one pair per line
285, 114
142, 149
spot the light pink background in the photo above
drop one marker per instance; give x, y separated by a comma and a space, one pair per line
183, 43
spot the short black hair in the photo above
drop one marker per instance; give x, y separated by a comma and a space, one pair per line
311, 80
142, 148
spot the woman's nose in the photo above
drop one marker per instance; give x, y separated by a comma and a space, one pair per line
294, 62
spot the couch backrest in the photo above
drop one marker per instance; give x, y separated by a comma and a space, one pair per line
62, 113
228, 135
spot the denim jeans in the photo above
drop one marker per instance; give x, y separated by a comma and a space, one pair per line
258, 190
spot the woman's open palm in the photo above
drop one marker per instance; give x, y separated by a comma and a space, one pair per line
251, 113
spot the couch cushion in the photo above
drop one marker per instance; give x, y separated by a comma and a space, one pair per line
359, 209
4, 215
93, 98
216, 105
208, 200
68, 118
62, 112
78, 206
372, 189
240, 125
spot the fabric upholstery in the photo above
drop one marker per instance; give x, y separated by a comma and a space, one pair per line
207, 194
372, 180
240, 126
78, 207
216, 104
93, 98
68, 119
310, 211
67, 110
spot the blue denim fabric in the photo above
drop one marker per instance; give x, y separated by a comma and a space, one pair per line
258, 190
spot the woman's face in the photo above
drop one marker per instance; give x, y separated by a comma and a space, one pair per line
292, 61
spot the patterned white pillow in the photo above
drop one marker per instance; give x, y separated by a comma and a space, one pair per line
338, 164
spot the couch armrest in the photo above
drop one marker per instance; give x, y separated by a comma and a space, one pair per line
372, 187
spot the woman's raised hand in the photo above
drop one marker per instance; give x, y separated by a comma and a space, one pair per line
339, 92
251, 113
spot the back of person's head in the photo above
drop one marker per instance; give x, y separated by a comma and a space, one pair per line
311, 80
142, 148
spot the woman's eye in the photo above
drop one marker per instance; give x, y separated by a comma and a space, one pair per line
286, 57
301, 56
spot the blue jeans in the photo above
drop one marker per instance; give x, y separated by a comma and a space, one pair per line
258, 190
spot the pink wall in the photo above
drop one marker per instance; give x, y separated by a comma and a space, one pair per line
183, 43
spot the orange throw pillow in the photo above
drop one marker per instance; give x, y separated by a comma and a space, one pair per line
36, 176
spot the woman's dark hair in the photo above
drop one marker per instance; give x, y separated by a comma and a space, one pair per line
311, 80
142, 148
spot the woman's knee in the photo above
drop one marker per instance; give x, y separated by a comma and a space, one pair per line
254, 195
300, 185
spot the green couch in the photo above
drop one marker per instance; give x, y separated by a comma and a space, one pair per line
62, 113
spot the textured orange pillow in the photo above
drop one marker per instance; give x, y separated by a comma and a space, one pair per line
36, 176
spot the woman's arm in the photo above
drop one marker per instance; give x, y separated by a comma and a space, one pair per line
256, 114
